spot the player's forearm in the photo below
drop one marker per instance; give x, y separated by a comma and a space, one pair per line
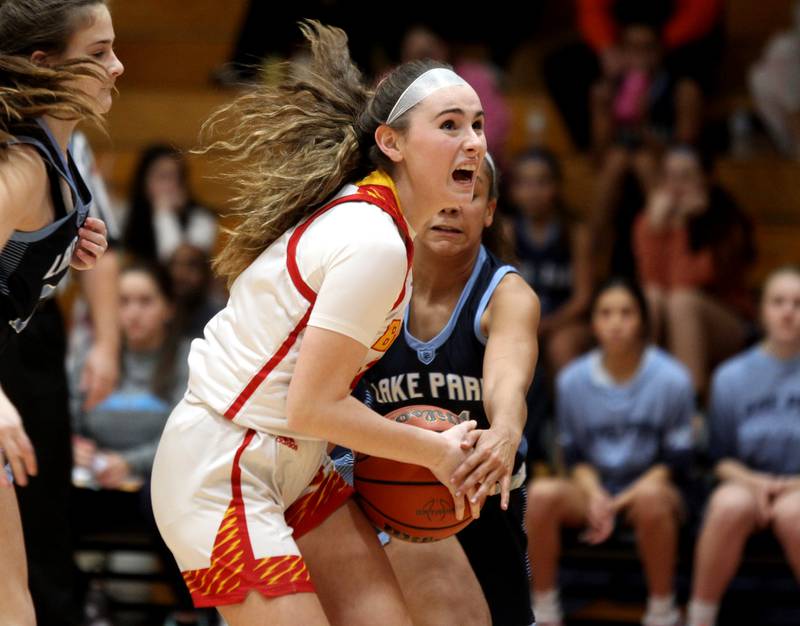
506, 406
349, 423
100, 286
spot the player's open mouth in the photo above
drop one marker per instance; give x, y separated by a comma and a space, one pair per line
464, 174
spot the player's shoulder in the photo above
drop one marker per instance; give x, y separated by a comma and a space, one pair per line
360, 224
23, 177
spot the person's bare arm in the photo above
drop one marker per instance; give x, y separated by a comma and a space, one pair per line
319, 404
101, 370
23, 184
510, 324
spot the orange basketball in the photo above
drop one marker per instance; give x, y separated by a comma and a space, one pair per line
406, 500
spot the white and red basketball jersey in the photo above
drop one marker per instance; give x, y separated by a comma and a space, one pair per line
346, 268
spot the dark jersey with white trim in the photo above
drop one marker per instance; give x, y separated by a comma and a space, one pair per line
446, 371
33, 263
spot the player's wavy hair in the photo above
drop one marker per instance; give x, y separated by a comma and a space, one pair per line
293, 145
28, 90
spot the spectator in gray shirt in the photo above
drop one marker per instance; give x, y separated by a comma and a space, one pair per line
624, 414
117, 439
754, 421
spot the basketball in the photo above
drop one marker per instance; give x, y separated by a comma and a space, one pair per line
407, 501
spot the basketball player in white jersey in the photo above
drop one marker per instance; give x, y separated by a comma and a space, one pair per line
243, 490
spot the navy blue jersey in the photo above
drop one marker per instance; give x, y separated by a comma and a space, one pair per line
33, 263
446, 371
546, 266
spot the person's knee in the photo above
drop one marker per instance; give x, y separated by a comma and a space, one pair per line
786, 519
545, 499
732, 507
653, 504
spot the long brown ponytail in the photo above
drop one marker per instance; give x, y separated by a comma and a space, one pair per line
293, 145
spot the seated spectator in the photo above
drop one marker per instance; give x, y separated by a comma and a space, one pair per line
775, 87
196, 303
691, 36
553, 254
755, 438
633, 119
624, 418
161, 211
692, 246
116, 441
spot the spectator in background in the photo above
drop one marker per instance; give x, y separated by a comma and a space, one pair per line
190, 269
693, 246
421, 42
37, 381
775, 87
624, 416
634, 117
161, 212
119, 436
691, 37
755, 438
115, 441
690, 32
553, 253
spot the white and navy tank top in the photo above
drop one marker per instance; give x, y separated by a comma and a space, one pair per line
33, 263
446, 371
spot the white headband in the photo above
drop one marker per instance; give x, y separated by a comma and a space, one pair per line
424, 85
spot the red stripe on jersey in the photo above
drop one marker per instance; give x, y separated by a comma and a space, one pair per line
380, 196
270, 365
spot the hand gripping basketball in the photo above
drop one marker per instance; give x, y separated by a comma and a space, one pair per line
412, 502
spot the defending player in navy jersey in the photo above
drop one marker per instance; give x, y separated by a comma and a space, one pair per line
468, 342
57, 67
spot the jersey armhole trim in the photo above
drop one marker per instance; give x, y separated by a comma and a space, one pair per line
443, 335
499, 274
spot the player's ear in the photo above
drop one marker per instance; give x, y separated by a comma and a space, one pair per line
389, 142
491, 207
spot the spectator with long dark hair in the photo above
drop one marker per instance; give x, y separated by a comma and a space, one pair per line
162, 212
624, 420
